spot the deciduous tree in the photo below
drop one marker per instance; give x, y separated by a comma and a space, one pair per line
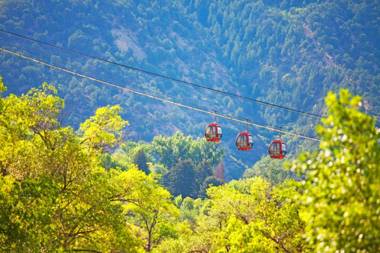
341, 186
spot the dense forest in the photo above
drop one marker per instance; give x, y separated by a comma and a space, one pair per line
67, 190
290, 53
85, 167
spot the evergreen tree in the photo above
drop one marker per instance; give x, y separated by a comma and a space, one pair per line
182, 179
141, 160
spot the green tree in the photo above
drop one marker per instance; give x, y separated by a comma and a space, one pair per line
103, 130
2, 89
251, 215
341, 187
54, 193
164, 153
248, 215
181, 179
173, 151
270, 169
140, 159
148, 206
170, 150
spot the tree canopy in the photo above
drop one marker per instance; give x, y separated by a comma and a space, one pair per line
56, 194
340, 195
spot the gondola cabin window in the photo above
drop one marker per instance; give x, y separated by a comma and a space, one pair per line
277, 149
213, 133
244, 141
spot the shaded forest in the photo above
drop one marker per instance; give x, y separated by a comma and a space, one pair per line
289, 53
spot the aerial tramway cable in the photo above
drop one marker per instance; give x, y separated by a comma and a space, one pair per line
155, 74
164, 100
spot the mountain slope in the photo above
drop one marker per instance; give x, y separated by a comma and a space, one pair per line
290, 53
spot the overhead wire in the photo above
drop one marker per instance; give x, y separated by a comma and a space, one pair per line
155, 74
164, 100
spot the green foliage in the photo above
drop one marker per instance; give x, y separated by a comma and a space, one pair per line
255, 215
340, 193
270, 169
242, 216
169, 150
2, 86
181, 179
141, 160
54, 193
2, 89
151, 206
208, 182
103, 130
190, 208
180, 162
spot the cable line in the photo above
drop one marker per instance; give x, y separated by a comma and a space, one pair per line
164, 100
155, 74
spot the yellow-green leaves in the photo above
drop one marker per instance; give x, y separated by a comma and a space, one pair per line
45, 107
104, 129
246, 216
340, 206
2, 86
148, 206
2, 89
54, 194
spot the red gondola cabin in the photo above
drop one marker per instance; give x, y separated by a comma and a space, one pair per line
277, 149
244, 141
213, 132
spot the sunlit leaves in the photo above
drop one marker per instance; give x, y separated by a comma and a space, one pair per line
2, 86
244, 216
54, 193
341, 207
2, 89
103, 130
148, 206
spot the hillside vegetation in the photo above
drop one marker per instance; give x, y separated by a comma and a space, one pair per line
85, 167
290, 53
61, 191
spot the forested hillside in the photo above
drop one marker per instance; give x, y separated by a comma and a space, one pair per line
290, 53
295, 52
103, 146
